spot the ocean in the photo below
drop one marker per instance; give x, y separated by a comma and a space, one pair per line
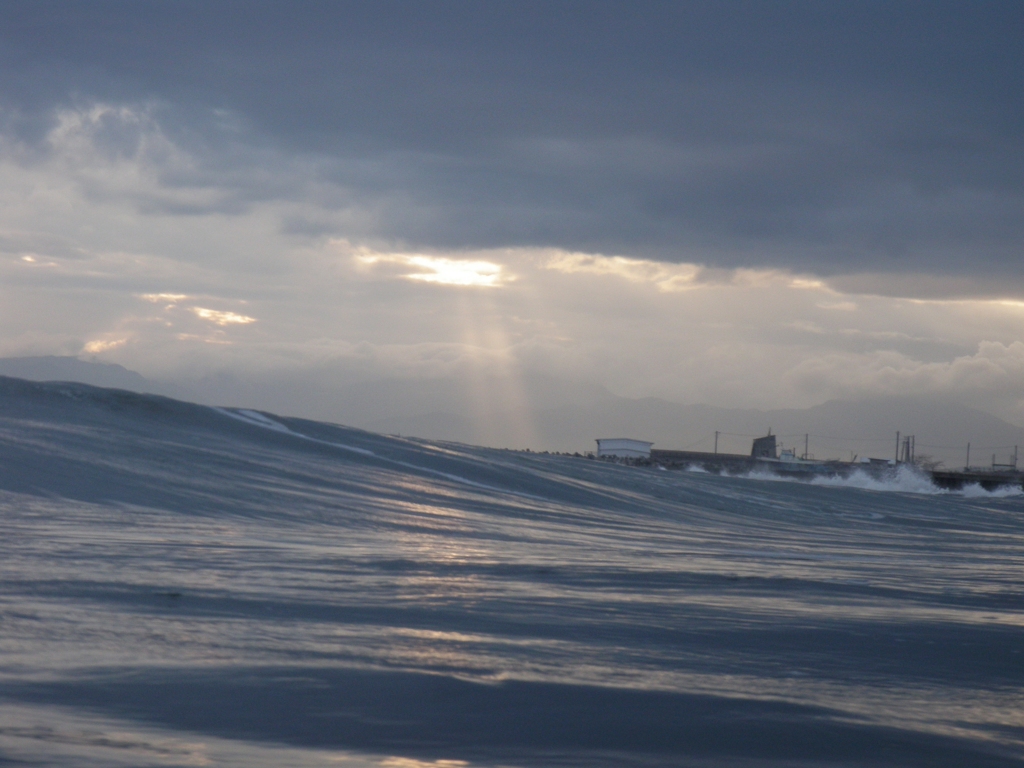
183, 585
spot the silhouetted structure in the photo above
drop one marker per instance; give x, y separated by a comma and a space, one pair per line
763, 447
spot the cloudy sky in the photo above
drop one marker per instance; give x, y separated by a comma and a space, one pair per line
751, 204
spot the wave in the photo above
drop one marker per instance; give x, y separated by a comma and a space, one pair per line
905, 479
232, 587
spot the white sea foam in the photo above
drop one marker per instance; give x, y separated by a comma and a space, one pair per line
905, 479
1004, 491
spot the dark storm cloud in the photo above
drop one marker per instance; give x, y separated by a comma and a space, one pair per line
838, 138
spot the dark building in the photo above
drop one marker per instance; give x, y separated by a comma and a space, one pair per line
764, 447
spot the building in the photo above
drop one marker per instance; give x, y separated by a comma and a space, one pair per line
764, 447
624, 448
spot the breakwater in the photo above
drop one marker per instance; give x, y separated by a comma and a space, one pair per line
735, 463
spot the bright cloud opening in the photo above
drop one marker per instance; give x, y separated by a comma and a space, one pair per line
454, 271
441, 270
98, 346
222, 318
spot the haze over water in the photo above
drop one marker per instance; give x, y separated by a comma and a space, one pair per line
185, 585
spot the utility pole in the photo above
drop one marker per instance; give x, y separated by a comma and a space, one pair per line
967, 466
716, 441
897, 446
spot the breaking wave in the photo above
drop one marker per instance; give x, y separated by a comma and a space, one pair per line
904, 480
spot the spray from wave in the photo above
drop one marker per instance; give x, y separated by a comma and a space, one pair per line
974, 490
905, 479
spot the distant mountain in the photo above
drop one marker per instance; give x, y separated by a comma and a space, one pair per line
53, 368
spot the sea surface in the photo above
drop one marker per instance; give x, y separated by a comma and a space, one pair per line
187, 586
